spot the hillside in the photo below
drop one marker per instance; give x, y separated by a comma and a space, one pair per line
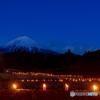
68, 63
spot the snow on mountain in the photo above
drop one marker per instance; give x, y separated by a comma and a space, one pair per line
27, 44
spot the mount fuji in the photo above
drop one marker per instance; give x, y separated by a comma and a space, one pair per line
27, 44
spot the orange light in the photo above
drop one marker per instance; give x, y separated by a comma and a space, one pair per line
94, 87
28, 80
44, 80
14, 86
36, 80
32, 80
22, 80
44, 87
60, 80
7, 71
66, 87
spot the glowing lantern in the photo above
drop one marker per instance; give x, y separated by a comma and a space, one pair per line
44, 80
94, 87
22, 80
36, 80
66, 87
28, 80
60, 80
44, 87
14, 86
32, 80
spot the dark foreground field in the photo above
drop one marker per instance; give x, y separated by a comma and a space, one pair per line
39, 95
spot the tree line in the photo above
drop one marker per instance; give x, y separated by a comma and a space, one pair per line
68, 63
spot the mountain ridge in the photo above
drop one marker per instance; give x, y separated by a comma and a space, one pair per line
27, 44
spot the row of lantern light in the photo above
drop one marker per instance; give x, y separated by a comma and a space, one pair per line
60, 80
45, 74
69, 77
44, 87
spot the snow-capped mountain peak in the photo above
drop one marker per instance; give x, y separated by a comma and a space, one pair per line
27, 44
24, 41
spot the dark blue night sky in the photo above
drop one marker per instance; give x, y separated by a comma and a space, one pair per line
58, 24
